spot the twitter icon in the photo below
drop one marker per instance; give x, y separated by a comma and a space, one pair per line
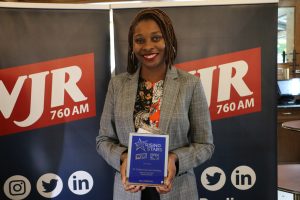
49, 185
213, 178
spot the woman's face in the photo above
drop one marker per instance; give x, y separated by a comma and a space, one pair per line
149, 44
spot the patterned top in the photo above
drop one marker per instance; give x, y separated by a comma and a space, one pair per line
147, 105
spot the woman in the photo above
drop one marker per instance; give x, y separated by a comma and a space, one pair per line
153, 94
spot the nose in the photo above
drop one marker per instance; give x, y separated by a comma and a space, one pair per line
148, 45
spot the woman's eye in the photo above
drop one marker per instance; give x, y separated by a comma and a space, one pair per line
156, 38
139, 40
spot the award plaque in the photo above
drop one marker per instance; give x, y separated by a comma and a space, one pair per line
147, 159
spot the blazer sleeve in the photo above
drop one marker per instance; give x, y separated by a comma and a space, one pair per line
107, 142
201, 145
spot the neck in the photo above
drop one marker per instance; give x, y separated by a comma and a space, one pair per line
153, 75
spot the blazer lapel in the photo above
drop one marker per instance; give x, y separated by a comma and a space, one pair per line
171, 89
130, 96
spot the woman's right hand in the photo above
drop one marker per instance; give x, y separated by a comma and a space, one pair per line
128, 187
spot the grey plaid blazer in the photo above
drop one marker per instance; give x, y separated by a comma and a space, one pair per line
184, 116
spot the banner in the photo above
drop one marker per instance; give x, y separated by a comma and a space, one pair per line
232, 49
54, 73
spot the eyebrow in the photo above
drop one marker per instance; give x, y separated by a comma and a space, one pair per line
139, 34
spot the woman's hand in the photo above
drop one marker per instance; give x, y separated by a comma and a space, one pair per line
167, 187
128, 187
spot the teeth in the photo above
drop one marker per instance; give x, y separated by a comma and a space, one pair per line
150, 56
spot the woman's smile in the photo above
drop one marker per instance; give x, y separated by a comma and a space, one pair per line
150, 57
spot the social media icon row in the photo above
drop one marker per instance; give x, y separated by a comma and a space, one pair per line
48, 185
214, 178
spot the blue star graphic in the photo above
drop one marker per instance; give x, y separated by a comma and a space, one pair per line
140, 145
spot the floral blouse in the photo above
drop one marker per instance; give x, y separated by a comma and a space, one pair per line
147, 105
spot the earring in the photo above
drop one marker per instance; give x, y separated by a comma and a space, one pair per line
132, 56
174, 49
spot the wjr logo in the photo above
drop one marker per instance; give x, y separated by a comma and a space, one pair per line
231, 82
47, 93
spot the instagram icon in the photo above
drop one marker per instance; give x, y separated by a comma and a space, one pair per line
17, 187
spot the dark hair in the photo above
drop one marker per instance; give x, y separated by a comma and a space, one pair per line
166, 27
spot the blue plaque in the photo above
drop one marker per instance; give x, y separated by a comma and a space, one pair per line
147, 159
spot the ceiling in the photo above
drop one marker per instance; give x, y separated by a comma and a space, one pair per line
83, 1
60, 1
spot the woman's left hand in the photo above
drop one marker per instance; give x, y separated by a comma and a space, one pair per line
167, 187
